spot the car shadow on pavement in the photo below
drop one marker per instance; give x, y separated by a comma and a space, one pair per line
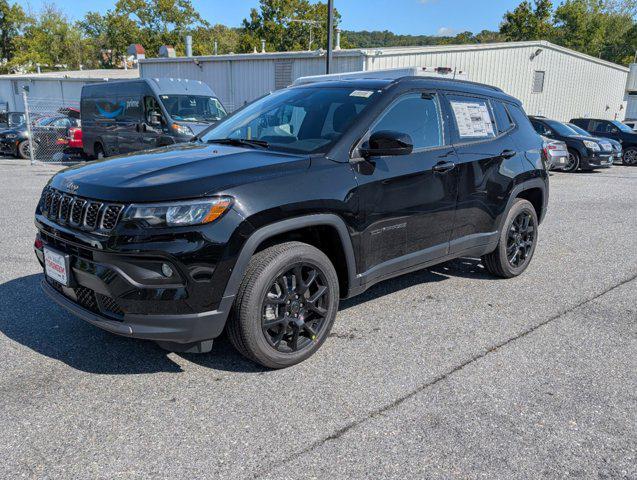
29, 318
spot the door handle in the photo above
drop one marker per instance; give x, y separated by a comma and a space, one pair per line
507, 154
443, 167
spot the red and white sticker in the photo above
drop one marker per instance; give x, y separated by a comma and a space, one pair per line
55, 266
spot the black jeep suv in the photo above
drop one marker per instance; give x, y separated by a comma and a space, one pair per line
310, 194
615, 130
584, 152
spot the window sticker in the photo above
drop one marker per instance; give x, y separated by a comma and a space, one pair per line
362, 93
473, 119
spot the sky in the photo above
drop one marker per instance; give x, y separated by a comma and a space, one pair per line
417, 17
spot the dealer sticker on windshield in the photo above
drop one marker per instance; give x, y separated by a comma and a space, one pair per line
362, 93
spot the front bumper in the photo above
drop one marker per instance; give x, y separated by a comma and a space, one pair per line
123, 290
187, 328
596, 160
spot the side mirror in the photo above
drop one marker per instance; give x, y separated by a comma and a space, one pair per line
387, 143
154, 119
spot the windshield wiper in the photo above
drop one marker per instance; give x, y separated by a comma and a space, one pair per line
242, 142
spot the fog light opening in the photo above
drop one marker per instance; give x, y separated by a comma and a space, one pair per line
166, 270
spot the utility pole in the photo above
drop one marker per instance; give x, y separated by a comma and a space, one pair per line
330, 28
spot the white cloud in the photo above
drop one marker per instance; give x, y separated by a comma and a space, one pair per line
446, 32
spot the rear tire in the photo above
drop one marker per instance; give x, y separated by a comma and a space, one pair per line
286, 305
573, 161
517, 243
630, 157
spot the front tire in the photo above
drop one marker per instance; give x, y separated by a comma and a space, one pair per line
630, 156
517, 243
286, 305
99, 151
24, 150
573, 161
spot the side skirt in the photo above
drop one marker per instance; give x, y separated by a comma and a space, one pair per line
469, 246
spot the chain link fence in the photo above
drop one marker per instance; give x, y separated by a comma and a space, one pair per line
53, 131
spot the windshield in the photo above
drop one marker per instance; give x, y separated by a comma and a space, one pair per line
577, 129
193, 108
622, 127
299, 120
561, 128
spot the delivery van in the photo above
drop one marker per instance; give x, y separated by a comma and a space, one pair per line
124, 116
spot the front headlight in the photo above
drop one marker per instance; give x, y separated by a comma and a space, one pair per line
195, 212
594, 146
182, 129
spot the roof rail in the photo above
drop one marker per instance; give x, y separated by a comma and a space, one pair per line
464, 82
387, 74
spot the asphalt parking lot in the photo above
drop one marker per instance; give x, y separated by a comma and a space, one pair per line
444, 373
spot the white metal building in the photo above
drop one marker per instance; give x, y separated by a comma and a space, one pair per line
57, 87
549, 79
631, 93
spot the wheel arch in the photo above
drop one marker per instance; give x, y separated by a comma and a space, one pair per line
327, 232
534, 190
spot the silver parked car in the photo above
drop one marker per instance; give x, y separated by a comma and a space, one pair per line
556, 153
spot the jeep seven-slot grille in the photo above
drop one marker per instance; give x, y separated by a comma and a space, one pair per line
78, 212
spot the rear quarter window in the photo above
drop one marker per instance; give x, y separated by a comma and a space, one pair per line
519, 117
502, 119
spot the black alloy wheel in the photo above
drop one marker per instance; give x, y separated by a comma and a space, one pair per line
573, 162
295, 308
520, 239
286, 305
517, 241
630, 157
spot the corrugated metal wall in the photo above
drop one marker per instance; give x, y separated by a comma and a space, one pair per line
239, 81
573, 86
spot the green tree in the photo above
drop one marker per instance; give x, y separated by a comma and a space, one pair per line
108, 36
272, 22
203, 40
50, 41
161, 22
528, 22
12, 22
597, 28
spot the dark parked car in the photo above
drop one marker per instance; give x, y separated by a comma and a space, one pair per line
585, 153
615, 130
617, 146
130, 115
50, 134
308, 195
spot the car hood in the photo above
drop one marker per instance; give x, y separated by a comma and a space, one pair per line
177, 172
8, 131
587, 137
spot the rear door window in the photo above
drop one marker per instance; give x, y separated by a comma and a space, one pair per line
473, 118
